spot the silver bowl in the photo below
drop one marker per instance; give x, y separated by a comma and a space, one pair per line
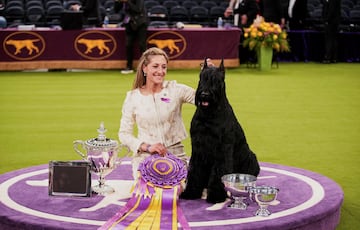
264, 195
238, 186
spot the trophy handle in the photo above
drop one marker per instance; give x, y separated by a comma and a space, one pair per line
119, 148
76, 148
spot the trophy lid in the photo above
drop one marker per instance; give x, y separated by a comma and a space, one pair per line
101, 141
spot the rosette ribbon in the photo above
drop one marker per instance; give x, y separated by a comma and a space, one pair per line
154, 201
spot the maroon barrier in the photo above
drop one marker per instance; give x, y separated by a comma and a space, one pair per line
104, 48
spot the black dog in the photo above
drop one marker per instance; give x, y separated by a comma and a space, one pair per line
218, 142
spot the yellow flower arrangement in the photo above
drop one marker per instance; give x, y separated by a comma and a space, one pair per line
268, 34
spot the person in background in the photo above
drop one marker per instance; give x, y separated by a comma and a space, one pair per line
91, 12
136, 23
331, 15
244, 12
297, 13
272, 11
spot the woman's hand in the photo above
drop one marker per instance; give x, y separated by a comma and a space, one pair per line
154, 148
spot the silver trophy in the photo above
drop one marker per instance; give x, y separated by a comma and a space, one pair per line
102, 153
238, 186
264, 195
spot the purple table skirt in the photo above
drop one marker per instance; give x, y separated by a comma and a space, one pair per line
307, 200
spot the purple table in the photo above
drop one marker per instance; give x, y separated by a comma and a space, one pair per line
307, 201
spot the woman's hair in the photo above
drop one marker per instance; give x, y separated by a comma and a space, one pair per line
140, 78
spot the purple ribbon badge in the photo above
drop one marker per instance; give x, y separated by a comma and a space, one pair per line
165, 99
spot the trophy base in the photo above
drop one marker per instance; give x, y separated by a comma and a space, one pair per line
262, 212
238, 205
103, 190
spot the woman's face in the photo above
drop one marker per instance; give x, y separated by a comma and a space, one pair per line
156, 69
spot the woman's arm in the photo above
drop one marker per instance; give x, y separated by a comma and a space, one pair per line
127, 123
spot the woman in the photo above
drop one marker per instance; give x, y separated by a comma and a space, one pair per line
154, 106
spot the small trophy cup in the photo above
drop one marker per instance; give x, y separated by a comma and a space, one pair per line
264, 195
102, 153
238, 186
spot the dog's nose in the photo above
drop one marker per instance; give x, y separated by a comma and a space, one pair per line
204, 94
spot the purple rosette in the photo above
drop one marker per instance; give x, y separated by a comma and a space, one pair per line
163, 171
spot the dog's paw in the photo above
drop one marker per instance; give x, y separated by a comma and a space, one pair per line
214, 200
186, 195
216, 197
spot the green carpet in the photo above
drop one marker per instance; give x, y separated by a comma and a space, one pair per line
304, 115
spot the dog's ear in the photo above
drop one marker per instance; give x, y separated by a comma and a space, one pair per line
221, 66
205, 64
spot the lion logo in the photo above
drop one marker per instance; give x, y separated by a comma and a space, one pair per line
24, 45
95, 45
172, 42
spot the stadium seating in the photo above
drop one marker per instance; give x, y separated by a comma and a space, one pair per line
15, 15
158, 13
53, 3
208, 4
35, 15
158, 24
16, 12
53, 14
178, 14
200, 15
150, 3
214, 13
188, 4
170, 4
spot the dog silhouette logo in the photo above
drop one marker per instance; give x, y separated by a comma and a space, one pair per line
171, 42
95, 45
100, 44
24, 45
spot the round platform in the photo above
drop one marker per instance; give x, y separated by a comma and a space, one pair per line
307, 200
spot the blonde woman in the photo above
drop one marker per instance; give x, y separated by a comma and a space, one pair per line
153, 106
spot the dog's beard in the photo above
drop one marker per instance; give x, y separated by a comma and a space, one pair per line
204, 99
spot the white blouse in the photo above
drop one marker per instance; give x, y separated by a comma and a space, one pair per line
157, 117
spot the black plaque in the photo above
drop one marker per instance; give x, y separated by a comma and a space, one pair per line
69, 178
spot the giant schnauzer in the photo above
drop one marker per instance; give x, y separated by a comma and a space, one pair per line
218, 142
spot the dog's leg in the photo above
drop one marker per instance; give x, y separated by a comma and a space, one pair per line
196, 182
216, 191
248, 162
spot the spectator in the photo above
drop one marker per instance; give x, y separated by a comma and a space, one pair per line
91, 11
297, 12
272, 11
136, 23
244, 12
331, 15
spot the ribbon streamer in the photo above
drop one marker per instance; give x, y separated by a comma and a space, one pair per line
154, 201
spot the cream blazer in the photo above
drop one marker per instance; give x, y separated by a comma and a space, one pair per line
157, 117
